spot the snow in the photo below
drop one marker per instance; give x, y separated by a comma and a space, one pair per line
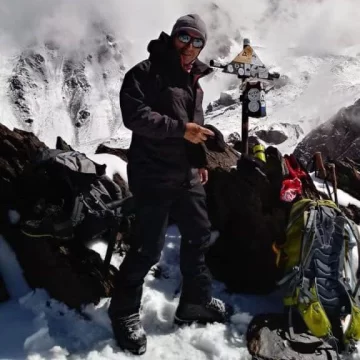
114, 165
41, 328
323, 75
343, 198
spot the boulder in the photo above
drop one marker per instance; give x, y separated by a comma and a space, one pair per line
243, 208
226, 100
224, 160
277, 134
69, 272
233, 138
237, 144
268, 338
274, 137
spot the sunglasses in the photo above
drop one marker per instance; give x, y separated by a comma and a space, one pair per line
186, 39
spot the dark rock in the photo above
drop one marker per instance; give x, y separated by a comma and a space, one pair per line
61, 144
17, 149
274, 137
224, 160
336, 139
233, 138
76, 85
15, 83
252, 141
225, 100
268, 338
348, 176
29, 69
249, 218
83, 114
352, 212
68, 271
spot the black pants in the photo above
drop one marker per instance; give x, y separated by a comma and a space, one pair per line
188, 208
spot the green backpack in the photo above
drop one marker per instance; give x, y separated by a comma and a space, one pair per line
320, 260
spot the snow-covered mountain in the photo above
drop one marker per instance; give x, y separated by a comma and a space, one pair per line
61, 67
62, 63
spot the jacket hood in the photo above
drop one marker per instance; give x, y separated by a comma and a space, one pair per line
162, 50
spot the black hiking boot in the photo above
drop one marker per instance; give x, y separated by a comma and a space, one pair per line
214, 311
54, 224
129, 333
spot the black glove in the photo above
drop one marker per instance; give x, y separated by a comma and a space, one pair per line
217, 142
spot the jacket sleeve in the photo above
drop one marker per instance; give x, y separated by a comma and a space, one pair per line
138, 115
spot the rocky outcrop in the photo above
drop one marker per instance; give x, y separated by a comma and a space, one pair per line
17, 149
243, 208
81, 87
336, 139
69, 272
348, 175
225, 100
67, 269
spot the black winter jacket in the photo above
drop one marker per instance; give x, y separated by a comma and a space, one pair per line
157, 99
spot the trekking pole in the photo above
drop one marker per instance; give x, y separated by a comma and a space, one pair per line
319, 164
321, 171
114, 237
244, 127
331, 167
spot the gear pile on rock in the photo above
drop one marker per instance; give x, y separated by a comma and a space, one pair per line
250, 199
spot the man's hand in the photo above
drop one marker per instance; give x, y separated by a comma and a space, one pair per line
204, 176
196, 133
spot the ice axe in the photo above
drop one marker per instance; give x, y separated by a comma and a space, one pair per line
253, 73
123, 208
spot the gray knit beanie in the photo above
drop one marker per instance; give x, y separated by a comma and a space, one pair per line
191, 22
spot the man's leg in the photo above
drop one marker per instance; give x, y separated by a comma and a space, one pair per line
145, 250
190, 214
196, 302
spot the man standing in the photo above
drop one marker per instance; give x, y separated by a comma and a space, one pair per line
161, 102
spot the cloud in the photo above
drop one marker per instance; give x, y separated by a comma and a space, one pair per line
310, 26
